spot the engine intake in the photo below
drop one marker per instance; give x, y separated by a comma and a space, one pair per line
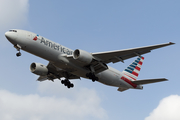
84, 57
39, 69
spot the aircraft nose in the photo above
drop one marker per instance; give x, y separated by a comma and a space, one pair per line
11, 36
6, 34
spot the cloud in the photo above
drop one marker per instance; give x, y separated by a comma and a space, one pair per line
56, 88
85, 104
168, 109
13, 13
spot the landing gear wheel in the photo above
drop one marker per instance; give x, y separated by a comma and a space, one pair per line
68, 86
18, 54
18, 48
62, 81
67, 83
71, 85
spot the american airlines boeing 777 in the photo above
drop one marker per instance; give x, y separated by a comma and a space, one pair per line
73, 64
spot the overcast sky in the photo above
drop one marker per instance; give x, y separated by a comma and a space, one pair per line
94, 26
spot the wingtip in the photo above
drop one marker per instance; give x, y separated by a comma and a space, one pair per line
171, 43
164, 79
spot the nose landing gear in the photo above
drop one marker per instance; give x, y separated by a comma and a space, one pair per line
18, 54
18, 48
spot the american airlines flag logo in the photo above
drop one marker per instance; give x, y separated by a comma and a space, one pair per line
36, 37
133, 69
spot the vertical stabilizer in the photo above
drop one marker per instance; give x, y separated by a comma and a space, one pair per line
133, 69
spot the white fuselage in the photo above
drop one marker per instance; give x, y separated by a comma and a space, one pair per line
57, 54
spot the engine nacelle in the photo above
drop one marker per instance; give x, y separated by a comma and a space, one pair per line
39, 69
84, 57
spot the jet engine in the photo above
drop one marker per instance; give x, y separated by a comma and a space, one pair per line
84, 57
39, 69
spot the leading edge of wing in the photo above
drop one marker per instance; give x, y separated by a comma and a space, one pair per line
127, 53
148, 81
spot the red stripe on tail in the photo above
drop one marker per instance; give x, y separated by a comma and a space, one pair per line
137, 68
140, 63
130, 77
134, 73
128, 81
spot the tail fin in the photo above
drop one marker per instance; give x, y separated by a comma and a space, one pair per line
133, 69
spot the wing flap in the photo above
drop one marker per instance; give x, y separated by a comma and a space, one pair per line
56, 73
99, 66
148, 81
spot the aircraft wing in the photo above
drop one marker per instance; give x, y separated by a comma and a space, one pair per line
56, 73
121, 55
148, 81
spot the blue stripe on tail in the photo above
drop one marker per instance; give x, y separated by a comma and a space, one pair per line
128, 70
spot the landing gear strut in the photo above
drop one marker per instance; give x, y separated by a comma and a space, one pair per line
67, 83
18, 48
92, 76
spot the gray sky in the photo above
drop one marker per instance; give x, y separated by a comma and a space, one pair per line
94, 26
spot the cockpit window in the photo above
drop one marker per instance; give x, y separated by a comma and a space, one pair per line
12, 30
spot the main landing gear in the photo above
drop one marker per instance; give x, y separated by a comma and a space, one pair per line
92, 76
67, 83
18, 48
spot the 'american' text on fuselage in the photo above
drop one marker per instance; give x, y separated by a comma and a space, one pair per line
56, 46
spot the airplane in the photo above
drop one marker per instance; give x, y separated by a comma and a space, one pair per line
66, 64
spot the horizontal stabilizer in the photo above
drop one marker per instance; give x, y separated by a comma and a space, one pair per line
121, 89
148, 81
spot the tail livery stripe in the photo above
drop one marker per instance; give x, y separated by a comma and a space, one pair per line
128, 81
137, 68
132, 66
138, 58
134, 73
134, 63
140, 62
130, 76
133, 69
137, 61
